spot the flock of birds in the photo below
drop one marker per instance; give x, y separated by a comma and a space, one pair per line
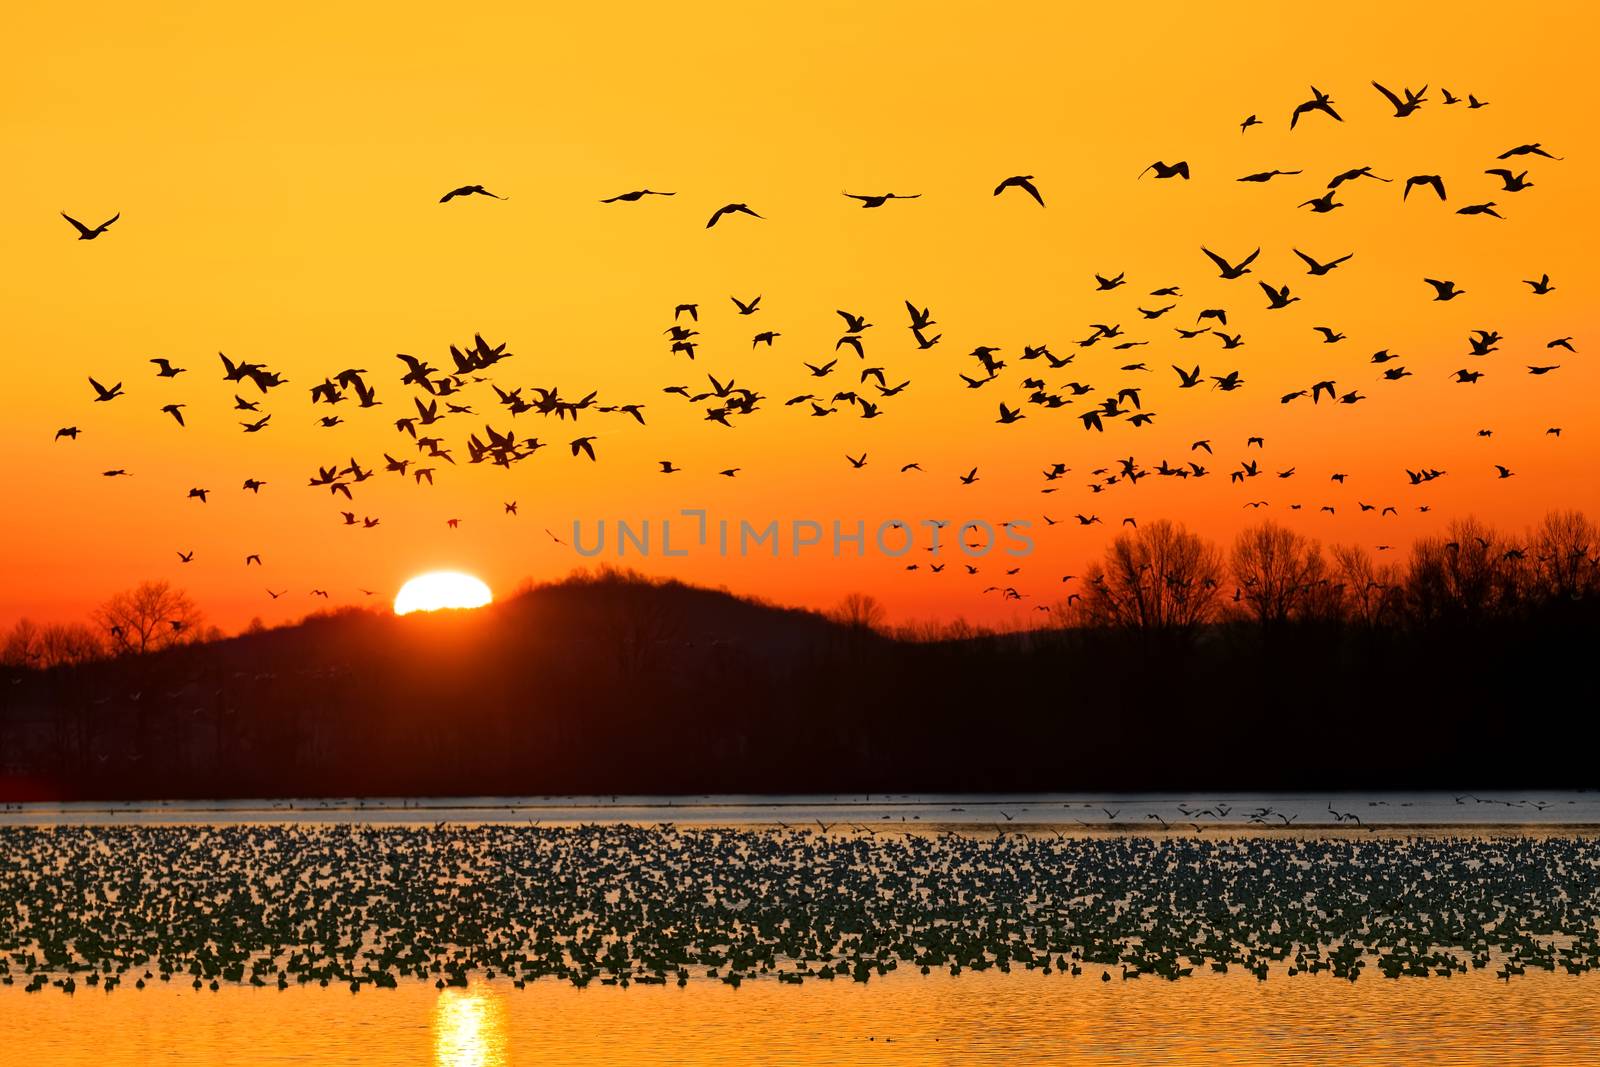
369, 906
472, 388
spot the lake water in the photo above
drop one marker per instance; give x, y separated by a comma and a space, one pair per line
1463, 887
972, 1019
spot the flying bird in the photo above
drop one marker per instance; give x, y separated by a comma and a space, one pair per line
730, 209
87, 234
469, 190
1023, 182
1179, 169
878, 200
637, 194
1229, 270
1433, 181
1403, 108
1320, 101
102, 394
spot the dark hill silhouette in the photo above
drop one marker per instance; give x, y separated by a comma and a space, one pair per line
612, 684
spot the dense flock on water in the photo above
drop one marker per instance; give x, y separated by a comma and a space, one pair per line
372, 906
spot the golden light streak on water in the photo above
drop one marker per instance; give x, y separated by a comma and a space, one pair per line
469, 1028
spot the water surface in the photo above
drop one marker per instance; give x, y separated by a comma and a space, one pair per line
1469, 883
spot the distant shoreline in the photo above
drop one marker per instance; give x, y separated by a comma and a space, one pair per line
1069, 814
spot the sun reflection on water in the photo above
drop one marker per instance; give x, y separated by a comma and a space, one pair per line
469, 1029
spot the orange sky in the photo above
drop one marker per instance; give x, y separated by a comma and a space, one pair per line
278, 171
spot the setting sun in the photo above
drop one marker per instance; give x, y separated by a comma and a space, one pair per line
441, 589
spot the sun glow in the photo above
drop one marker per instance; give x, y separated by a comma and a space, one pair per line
441, 589
469, 1029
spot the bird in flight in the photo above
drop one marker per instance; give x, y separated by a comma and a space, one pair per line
102, 394
469, 190
1279, 297
1179, 169
1354, 173
1320, 101
1267, 175
870, 200
86, 234
637, 194
1403, 108
166, 369
1229, 270
1434, 181
1514, 183
1534, 149
1023, 182
1319, 269
729, 209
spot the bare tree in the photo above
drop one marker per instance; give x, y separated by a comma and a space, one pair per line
1468, 574
66, 643
1565, 547
21, 646
860, 612
1367, 593
1281, 573
149, 617
1160, 579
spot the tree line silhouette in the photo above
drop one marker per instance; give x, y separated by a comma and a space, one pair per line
1173, 663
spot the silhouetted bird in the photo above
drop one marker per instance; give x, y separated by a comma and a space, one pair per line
469, 190
637, 194
1023, 182
86, 234
870, 200
729, 209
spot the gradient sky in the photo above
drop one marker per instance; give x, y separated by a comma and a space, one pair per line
278, 171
